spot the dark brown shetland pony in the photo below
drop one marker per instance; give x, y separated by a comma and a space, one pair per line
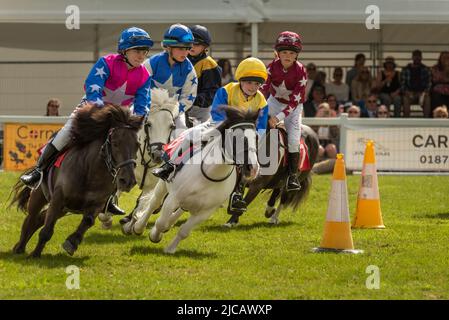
277, 182
101, 158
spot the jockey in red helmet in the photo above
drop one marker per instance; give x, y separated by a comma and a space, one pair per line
285, 91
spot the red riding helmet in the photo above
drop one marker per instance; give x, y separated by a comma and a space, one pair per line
288, 40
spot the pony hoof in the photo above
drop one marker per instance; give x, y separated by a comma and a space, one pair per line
18, 250
229, 224
125, 220
106, 225
154, 236
69, 247
169, 250
34, 255
104, 217
274, 221
127, 228
269, 212
137, 233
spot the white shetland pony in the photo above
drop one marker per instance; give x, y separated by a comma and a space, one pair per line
157, 130
205, 181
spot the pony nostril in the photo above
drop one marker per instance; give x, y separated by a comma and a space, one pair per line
122, 181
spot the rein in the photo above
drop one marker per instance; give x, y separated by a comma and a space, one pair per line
225, 156
106, 150
146, 149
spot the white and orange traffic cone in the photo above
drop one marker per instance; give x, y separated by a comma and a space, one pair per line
337, 236
368, 214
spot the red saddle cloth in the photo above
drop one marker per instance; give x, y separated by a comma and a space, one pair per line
304, 158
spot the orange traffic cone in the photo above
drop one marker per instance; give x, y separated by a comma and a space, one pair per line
337, 235
367, 213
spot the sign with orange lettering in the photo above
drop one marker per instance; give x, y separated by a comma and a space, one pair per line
21, 142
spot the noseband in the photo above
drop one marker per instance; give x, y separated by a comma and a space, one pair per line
106, 150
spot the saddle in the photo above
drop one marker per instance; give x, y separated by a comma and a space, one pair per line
304, 155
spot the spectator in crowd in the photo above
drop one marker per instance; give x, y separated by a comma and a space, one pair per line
354, 111
327, 135
331, 99
388, 85
338, 87
317, 97
359, 63
415, 85
440, 81
371, 104
53, 106
441, 112
383, 111
361, 87
311, 75
320, 78
226, 71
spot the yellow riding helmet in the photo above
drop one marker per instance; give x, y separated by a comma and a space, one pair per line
251, 69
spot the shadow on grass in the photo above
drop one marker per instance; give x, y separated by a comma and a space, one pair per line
108, 237
246, 227
148, 250
60, 260
443, 216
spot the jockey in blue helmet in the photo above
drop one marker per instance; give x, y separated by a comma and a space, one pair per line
119, 79
171, 70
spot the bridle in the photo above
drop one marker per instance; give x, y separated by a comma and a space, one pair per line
225, 157
146, 148
106, 150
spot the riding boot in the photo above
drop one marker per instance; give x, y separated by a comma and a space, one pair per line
164, 171
292, 180
33, 177
236, 203
113, 206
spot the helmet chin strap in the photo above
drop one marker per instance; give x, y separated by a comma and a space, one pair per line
126, 59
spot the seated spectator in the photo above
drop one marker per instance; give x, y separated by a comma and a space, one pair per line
226, 71
361, 86
441, 112
415, 85
371, 104
311, 75
354, 111
331, 99
383, 111
317, 97
53, 107
359, 63
440, 81
327, 135
338, 87
320, 78
388, 85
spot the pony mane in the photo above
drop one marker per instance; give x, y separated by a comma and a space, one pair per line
161, 100
92, 123
235, 115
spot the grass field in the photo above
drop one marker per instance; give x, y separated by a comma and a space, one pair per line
253, 261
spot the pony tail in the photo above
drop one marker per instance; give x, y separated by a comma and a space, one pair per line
21, 194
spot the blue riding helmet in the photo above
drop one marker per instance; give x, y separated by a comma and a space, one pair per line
134, 38
179, 36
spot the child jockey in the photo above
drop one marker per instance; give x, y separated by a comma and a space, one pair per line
171, 70
285, 88
119, 79
251, 74
208, 73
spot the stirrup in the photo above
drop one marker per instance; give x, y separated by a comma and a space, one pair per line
33, 185
237, 203
293, 185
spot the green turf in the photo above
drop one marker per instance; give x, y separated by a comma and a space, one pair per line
253, 261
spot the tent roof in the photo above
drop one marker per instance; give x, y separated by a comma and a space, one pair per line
216, 11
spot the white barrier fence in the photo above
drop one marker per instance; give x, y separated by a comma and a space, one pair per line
401, 144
